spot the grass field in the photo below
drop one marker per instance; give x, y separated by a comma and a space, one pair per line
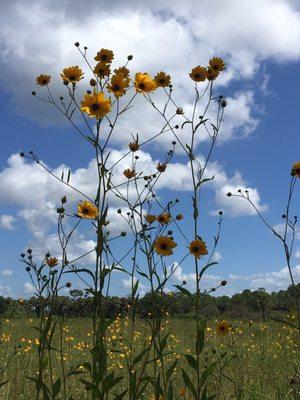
262, 358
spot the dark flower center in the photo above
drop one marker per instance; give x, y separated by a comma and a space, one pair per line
163, 246
215, 67
72, 78
95, 107
44, 81
116, 88
197, 75
196, 249
104, 57
161, 80
86, 211
142, 86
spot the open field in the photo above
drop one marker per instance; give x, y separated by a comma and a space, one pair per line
262, 358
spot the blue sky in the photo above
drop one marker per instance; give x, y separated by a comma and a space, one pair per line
257, 147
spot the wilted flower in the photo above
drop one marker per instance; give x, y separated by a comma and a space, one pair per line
87, 210
51, 261
72, 74
43, 80
163, 245
212, 74
96, 105
179, 217
129, 173
164, 218
134, 146
144, 83
161, 167
198, 248
150, 218
198, 74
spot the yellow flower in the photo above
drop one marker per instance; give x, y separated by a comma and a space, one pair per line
296, 169
161, 167
144, 83
105, 56
87, 210
217, 64
96, 105
212, 74
122, 70
150, 218
102, 69
222, 328
134, 146
162, 79
198, 248
164, 218
129, 173
51, 261
43, 80
118, 84
198, 74
163, 245
72, 74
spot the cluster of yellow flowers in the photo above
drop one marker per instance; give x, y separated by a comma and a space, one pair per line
97, 105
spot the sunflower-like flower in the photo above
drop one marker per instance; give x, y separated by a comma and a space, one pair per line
217, 64
72, 74
150, 218
198, 248
43, 80
51, 261
296, 169
87, 210
105, 56
164, 218
134, 146
161, 167
129, 173
198, 74
162, 79
122, 70
163, 245
118, 84
212, 74
102, 69
144, 83
96, 105
222, 328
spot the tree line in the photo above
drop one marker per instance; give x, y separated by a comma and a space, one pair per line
250, 305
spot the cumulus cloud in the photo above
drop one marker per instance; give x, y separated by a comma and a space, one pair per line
7, 222
7, 273
28, 288
5, 290
27, 46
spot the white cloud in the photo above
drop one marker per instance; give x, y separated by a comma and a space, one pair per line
7, 221
7, 272
38, 38
28, 288
5, 290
